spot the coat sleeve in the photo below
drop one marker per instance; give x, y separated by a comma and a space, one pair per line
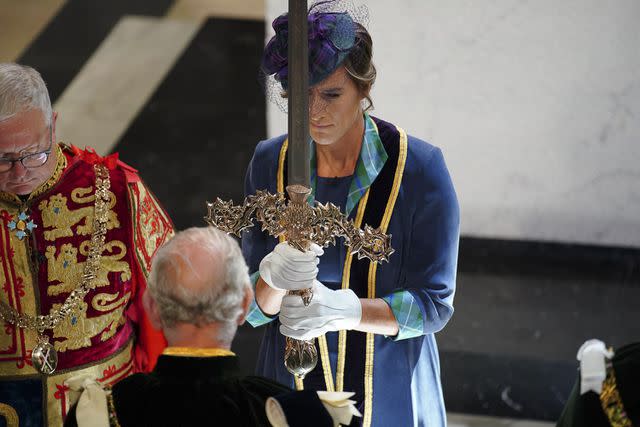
256, 243
151, 228
423, 303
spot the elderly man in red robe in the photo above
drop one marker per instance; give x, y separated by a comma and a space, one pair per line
77, 233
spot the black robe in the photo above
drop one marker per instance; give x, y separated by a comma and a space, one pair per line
585, 410
192, 391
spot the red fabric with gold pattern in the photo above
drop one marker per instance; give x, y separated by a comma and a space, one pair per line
61, 242
151, 229
40, 266
56, 251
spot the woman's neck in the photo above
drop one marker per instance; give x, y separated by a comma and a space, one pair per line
340, 158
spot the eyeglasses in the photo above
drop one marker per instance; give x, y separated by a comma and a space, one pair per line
30, 161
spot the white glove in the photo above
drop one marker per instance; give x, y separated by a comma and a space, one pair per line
329, 311
288, 269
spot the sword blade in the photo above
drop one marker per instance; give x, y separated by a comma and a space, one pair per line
298, 96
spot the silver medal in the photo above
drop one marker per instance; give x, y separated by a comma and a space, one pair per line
44, 357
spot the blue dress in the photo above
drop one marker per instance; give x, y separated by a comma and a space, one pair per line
425, 228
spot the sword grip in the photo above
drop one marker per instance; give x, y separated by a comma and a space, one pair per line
300, 356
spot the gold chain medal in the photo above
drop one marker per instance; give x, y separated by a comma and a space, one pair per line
44, 357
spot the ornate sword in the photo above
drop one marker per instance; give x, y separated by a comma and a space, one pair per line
299, 223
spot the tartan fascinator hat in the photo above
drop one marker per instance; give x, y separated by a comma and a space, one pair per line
332, 29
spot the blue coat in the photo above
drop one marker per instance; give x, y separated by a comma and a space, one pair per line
425, 229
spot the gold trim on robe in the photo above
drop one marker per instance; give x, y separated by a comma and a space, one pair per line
151, 225
611, 402
197, 352
10, 415
373, 267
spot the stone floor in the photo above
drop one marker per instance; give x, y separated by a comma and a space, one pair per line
462, 420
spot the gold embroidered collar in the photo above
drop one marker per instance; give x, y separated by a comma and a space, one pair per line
61, 165
611, 402
197, 352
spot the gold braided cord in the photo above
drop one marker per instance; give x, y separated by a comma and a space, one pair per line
10, 415
342, 346
111, 408
280, 177
326, 362
280, 189
611, 402
402, 159
92, 266
373, 267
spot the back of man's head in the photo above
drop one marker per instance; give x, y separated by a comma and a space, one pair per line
22, 89
200, 278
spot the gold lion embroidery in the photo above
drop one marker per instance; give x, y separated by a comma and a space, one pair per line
56, 214
77, 330
66, 269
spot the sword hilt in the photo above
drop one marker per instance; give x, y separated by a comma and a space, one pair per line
300, 356
300, 224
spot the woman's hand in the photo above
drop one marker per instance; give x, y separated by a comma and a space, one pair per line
285, 269
334, 311
328, 311
288, 269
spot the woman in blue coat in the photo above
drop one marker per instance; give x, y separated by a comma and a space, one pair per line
375, 324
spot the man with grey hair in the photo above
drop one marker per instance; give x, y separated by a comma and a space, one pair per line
77, 233
198, 290
198, 293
